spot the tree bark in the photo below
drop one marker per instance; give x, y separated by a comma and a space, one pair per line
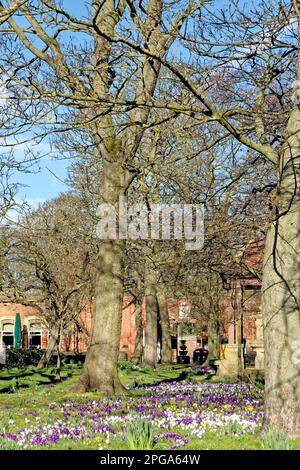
281, 293
213, 337
45, 359
100, 372
213, 327
150, 352
59, 347
137, 357
239, 328
166, 350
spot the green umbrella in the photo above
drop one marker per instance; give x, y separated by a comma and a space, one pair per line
18, 332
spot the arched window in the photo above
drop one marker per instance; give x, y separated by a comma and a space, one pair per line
35, 335
7, 340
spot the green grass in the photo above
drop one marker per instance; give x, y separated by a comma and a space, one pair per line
31, 394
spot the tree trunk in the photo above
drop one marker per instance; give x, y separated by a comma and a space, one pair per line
58, 366
213, 337
150, 352
58, 361
138, 348
239, 337
100, 372
166, 350
45, 359
281, 294
101, 364
213, 327
116, 153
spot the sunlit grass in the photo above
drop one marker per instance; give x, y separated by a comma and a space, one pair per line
28, 404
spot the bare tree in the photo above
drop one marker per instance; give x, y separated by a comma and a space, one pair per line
81, 87
237, 65
50, 267
234, 73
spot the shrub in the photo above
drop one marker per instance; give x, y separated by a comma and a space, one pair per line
140, 436
275, 440
22, 357
202, 370
260, 384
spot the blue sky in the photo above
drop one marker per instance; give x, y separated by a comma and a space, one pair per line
46, 179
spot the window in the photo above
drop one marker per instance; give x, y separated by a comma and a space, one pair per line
252, 292
7, 334
35, 336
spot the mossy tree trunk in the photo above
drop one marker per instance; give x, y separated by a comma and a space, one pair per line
138, 347
213, 327
281, 293
100, 371
150, 351
166, 350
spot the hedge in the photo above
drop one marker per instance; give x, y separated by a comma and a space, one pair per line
22, 357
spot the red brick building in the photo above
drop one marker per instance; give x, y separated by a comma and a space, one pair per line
242, 301
239, 313
36, 335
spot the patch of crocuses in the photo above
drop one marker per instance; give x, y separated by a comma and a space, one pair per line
202, 370
178, 411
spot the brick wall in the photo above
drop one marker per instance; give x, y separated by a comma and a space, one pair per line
28, 317
77, 342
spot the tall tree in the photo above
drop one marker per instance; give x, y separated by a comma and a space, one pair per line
237, 68
80, 87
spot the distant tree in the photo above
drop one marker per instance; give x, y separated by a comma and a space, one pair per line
50, 261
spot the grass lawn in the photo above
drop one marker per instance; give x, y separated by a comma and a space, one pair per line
174, 407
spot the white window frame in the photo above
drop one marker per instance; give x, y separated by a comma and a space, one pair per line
3, 333
36, 332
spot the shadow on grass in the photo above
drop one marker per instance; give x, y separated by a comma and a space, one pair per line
185, 375
35, 378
